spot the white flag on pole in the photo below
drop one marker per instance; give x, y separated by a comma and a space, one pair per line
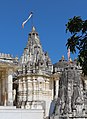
27, 20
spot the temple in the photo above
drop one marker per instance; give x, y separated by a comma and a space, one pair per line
71, 101
33, 83
34, 76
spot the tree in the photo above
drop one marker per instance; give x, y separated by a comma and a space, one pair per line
78, 40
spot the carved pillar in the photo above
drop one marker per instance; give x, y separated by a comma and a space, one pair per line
57, 87
20, 89
3, 84
10, 87
29, 89
24, 89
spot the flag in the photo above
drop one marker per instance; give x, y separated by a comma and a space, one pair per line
27, 20
68, 53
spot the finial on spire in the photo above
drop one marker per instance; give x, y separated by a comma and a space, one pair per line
68, 54
71, 60
62, 57
33, 28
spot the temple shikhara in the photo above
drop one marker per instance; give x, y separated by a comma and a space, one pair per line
33, 87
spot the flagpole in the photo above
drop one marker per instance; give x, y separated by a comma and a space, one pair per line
32, 21
30, 16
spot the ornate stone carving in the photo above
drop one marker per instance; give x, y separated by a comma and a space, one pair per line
71, 101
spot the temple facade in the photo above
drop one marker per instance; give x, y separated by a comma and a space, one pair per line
34, 83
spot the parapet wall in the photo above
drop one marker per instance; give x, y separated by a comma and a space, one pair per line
13, 113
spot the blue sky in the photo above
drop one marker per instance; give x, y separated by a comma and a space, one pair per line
50, 17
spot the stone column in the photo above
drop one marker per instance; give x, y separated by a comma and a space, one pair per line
10, 88
29, 89
57, 87
24, 89
3, 87
20, 89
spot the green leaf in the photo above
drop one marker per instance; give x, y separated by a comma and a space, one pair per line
78, 40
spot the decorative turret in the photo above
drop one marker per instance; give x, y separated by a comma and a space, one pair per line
33, 58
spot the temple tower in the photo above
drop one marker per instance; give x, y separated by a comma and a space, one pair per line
71, 97
35, 89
